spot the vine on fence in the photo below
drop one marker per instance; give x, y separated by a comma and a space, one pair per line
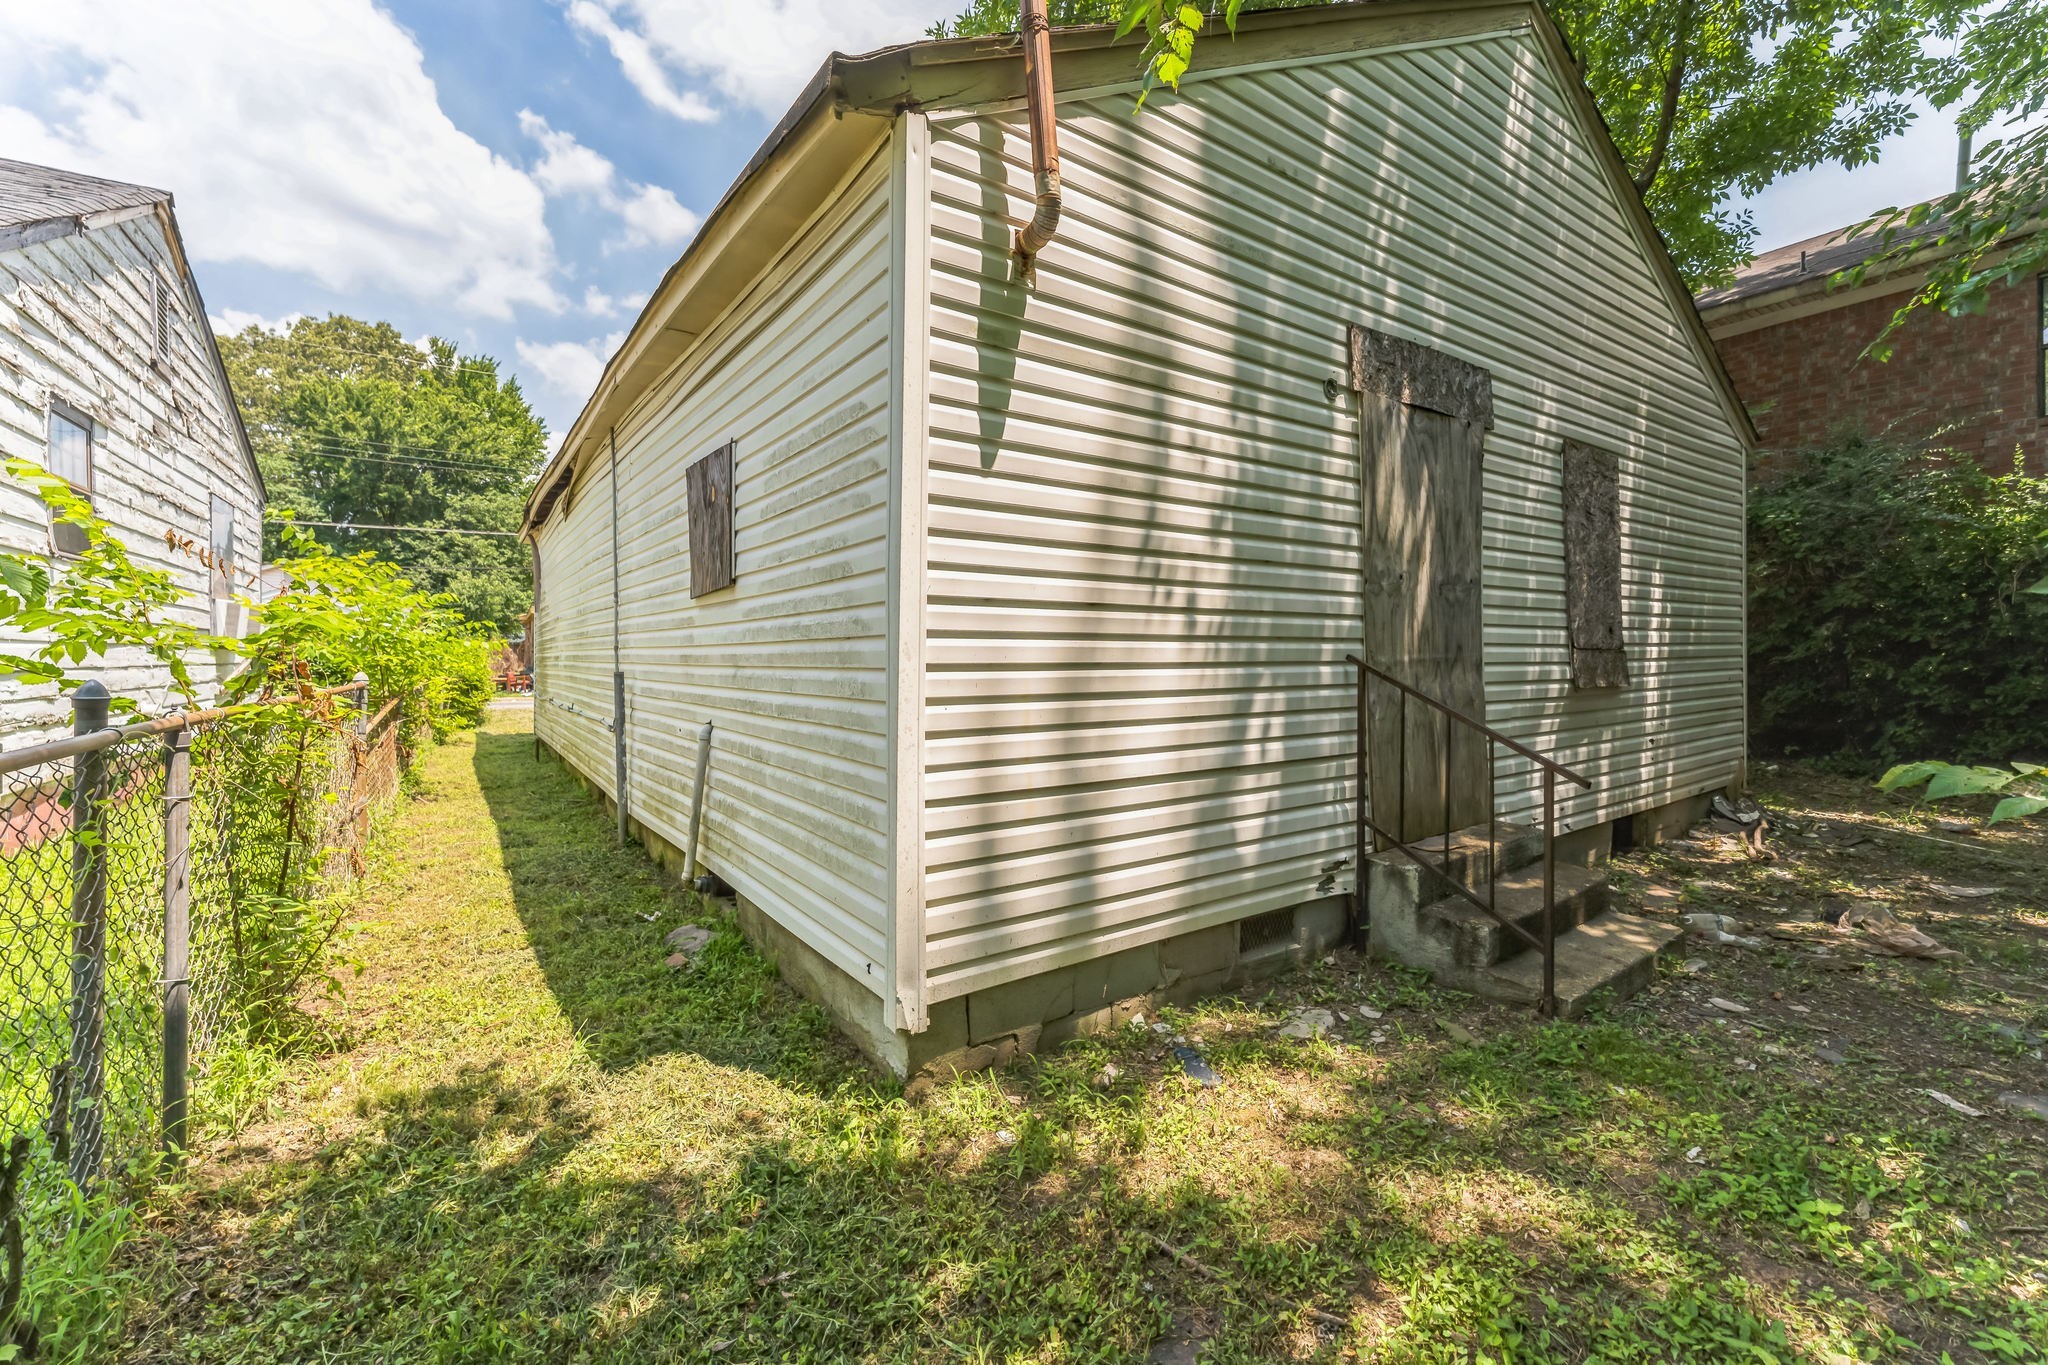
282, 789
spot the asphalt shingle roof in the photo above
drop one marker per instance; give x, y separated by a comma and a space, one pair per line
34, 194
1816, 258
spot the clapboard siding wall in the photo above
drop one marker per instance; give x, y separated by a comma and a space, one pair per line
77, 319
1144, 545
791, 663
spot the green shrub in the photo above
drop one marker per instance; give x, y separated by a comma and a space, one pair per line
468, 687
340, 614
1888, 612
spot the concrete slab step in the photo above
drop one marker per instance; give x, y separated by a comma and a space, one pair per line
1470, 856
1476, 939
1614, 952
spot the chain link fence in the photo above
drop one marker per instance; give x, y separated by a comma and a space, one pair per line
166, 889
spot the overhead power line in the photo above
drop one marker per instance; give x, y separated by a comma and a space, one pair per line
366, 526
445, 466
371, 443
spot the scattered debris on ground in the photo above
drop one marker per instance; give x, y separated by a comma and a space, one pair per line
1308, 1023
1197, 1067
687, 941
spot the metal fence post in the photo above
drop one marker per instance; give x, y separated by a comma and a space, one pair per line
89, 709
361, 682
177, 937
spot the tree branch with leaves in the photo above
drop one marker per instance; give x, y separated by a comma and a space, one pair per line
1985, 233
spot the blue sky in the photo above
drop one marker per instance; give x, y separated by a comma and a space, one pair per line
513, 174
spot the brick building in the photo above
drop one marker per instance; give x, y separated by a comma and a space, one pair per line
1792, 346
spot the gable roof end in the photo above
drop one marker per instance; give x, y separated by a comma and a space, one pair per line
985, 71
43, 203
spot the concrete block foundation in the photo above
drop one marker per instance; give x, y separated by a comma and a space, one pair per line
993, 1026
996, 1025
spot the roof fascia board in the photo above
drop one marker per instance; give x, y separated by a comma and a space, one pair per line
834, 208
109, 217
42, 230
1816, 293
70, 225
983, 74
1767, 310
745, 235
1518, 22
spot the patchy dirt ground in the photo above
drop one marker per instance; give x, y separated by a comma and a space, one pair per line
1832, 972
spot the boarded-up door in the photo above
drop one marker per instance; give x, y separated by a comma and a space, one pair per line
1425, 417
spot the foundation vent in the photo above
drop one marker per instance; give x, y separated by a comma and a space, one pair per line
1263, 931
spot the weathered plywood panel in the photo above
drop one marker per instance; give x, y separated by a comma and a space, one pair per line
78, 327
709, 485
1424, 478
1592, 560
788, 657
1146, 559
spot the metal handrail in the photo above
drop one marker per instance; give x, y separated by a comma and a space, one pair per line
1552, 770
1496, 736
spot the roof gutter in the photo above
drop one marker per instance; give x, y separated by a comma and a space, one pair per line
1037, 234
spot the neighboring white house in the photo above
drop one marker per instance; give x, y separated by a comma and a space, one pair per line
1020, 610
109, 376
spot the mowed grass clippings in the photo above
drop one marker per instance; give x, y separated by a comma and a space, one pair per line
541, 1143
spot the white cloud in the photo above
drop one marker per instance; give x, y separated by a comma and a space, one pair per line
641, 67
651, 215
756, 54
303, 137
599, 304
570, 368
229, 321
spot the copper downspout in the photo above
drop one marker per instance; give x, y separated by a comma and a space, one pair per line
1033, 237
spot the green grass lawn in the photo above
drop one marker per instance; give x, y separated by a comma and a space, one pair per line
534, 1141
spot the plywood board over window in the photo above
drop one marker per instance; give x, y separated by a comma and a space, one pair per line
1592, 558
709, 490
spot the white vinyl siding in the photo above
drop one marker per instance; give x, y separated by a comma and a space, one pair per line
1144, 535
78, 327
791, 663
573, 623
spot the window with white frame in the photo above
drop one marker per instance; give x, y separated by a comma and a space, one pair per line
221, 546
70, 459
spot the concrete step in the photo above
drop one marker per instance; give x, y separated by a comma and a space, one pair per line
1477, 939
1453, 937
1614, 952
1470, 856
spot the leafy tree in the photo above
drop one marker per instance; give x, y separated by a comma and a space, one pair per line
1705, 98
352, 423
1981, 235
